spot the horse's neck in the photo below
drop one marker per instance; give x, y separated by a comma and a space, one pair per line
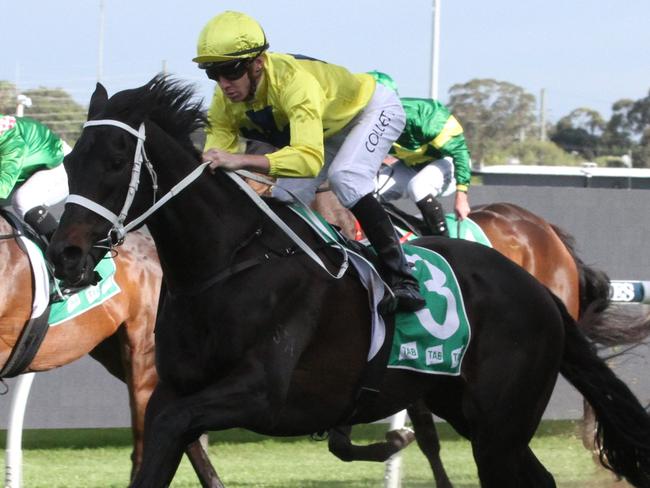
197, 231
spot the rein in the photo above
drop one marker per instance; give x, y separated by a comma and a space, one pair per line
118, 231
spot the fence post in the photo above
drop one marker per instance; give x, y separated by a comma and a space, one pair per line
14, 453
393, 472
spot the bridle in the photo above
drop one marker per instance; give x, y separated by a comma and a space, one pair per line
118, 231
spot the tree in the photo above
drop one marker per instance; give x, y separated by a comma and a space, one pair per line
55, 108
639, 115
580, 131
52, 106
533, 151
8, 94
493, 114
617, 137
641, 152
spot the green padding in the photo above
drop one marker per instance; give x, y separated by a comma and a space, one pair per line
467, 229
88, 297
432, 340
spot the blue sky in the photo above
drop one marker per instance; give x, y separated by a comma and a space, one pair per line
583, 53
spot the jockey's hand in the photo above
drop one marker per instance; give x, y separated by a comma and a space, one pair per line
461, 206
232, 162
223, 159
390, 160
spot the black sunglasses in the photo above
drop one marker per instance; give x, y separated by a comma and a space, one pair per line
230, 70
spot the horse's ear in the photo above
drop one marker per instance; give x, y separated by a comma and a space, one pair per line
97, 101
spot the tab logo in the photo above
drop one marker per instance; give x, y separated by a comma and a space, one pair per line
408, 350
434, 355
456, 356
73, 303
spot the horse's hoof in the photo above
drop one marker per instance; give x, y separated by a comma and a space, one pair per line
400, 437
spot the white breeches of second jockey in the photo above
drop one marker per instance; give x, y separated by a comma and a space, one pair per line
399, 180
45, 188
353, 155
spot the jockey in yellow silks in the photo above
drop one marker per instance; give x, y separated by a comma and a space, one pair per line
327, 123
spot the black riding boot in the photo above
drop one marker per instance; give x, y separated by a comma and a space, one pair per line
42, 221
433, 216
395, 269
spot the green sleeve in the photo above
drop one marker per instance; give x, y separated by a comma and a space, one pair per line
12, 153
456, 148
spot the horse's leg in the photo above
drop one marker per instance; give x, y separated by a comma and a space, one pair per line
505, 399
173, 422
341, 446
502, 429
533, 473
141, 378
156, 427
202, 465
428, 441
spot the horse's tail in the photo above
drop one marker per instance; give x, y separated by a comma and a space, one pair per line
604, 324
623, 432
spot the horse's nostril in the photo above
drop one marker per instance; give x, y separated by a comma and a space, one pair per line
71, 254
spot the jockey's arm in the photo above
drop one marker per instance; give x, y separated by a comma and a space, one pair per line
461, 205
223, 159
12, 153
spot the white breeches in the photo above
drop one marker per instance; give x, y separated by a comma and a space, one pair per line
45, 188
398, 180
353, 155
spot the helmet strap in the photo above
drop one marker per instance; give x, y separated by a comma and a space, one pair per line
254, 76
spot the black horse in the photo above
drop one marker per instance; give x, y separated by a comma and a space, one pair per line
251, 333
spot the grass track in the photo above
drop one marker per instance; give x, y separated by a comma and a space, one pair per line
86, 458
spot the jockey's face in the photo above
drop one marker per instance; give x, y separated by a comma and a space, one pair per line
242, 88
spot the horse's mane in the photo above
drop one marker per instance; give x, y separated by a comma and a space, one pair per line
169, 103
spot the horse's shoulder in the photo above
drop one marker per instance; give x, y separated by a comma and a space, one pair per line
138, 255
5, 228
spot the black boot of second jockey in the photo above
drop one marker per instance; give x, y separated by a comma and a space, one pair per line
42, 221
433, 216
395, 269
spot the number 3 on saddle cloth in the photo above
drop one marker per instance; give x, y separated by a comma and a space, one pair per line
51, 309
432, 340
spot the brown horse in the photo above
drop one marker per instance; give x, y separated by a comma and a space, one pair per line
547, 253
118, 333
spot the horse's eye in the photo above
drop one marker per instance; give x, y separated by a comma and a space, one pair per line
117, 163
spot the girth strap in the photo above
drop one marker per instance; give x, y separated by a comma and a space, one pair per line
35, 328
27, 346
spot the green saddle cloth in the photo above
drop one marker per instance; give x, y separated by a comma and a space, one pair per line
432, 340
89, 297
466, 229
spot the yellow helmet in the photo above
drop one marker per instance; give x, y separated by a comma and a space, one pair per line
229, 36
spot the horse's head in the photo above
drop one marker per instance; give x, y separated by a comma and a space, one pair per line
104, 173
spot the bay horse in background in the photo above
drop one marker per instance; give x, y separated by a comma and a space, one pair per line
119, 333
251, 333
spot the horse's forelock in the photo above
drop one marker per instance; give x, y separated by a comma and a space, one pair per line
170, 104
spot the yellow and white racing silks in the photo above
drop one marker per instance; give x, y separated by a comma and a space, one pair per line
299, 101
